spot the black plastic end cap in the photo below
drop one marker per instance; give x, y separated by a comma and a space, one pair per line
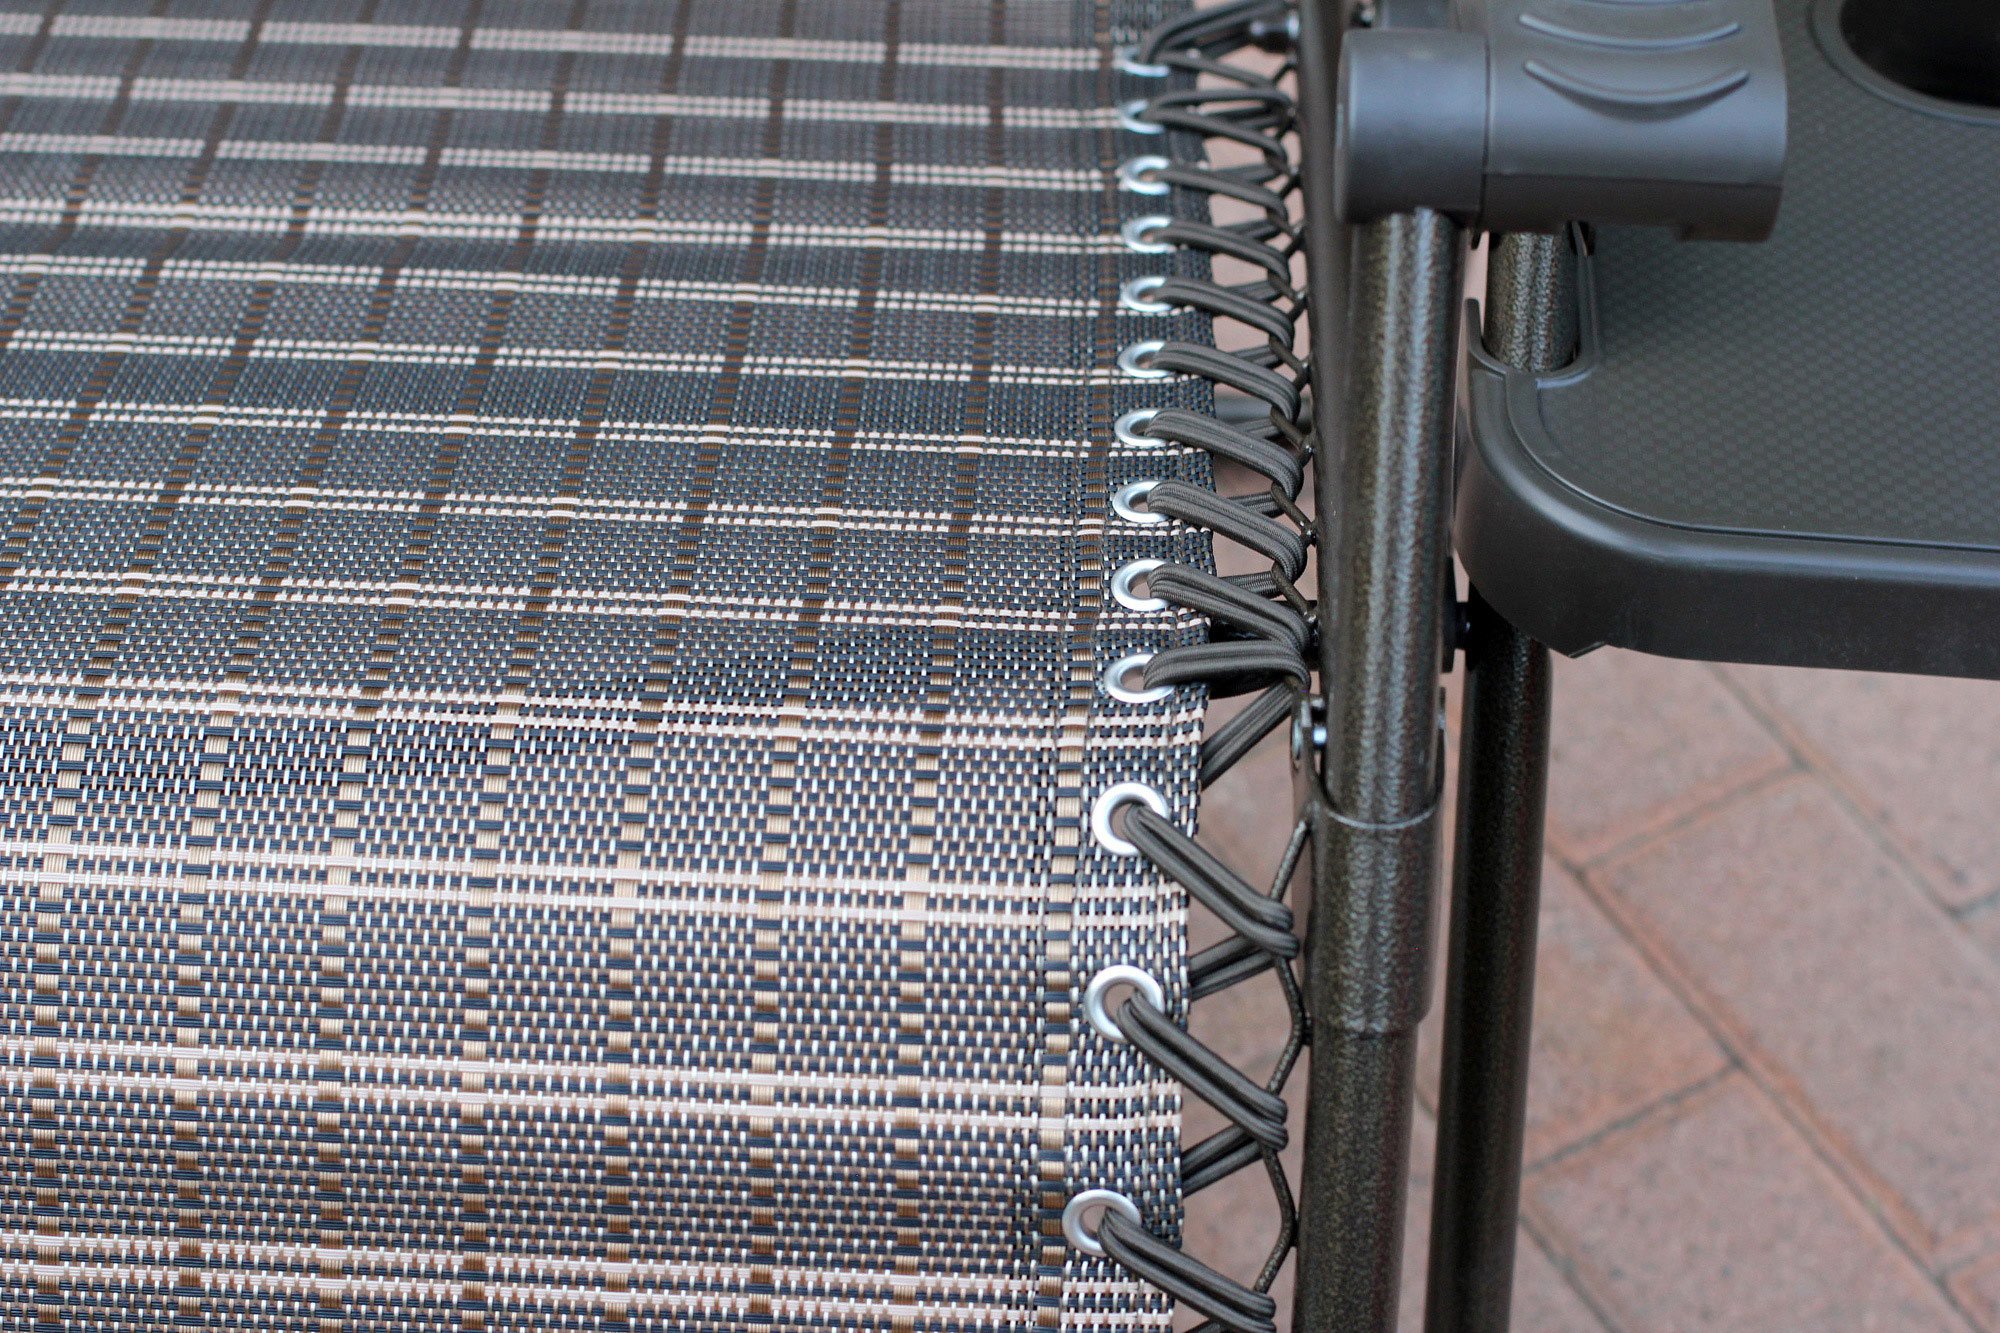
1410, 128
1527, 115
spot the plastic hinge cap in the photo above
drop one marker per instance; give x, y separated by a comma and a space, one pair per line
1526, 115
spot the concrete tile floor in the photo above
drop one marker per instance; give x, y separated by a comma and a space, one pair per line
1766, 1092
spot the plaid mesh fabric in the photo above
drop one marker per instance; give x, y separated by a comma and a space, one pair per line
553, 593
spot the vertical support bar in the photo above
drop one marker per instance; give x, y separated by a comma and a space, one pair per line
1497, 874
1531, 301
1382, 495
1375, 844
1489, 995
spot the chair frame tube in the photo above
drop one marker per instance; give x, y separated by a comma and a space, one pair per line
1490, 982
1385, 357
1384, 384
1383, 614
1496, 873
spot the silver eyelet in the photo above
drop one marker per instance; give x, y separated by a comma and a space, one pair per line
1123, 582
1125, 585
1123, 793
1080, 1235
1133, 175
1122, 974
1115, 686
1134, 293
1130, 117
1137, 360
1126, 61
1137, 235
1125, 502
1128, 428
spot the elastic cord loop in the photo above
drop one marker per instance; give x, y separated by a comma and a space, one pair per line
1204, 1073
1278, 465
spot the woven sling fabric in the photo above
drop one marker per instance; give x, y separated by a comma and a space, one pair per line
554, 584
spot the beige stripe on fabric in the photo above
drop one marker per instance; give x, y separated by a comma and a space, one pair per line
241, 219
638, 45
82, 87
527, 159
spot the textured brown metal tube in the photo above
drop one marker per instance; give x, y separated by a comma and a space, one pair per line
1386, 299
1496, 873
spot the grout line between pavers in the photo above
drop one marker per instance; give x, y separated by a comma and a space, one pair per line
1915, 870
1768, 1079
1978, 907
1986, 1258
1588, 1279
1664, 1102
1975, 1268
1584, 1273
1750, 783
1928, 874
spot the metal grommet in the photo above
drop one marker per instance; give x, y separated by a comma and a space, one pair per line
1115, 686
1134, 293
1074, 1216
1124, 793
1138, 232
1125, 502
1126, 61
1123, 974
1133, 175
1129, 426
1137, 360
1123, 589
1131, 117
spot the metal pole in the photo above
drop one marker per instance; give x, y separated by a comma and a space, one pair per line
1497, 875
1387, 384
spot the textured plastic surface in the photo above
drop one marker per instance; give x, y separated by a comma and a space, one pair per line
1780, 453
1528, 114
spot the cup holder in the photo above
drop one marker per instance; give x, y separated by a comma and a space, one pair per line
1941, 56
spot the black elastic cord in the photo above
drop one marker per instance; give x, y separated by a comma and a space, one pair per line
1260, 636
1189, 1281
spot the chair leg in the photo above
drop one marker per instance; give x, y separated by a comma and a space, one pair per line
1489, 996
1531, 322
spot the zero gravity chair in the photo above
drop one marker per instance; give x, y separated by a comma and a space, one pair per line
606, 612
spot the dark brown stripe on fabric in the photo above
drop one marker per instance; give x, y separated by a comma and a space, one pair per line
472, 1220
917, 1216
639, 773
333, 920
802, 664
913, 931
1058, 966
767, 983
614, 1118
499, 787
478, 1182
192, 1109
